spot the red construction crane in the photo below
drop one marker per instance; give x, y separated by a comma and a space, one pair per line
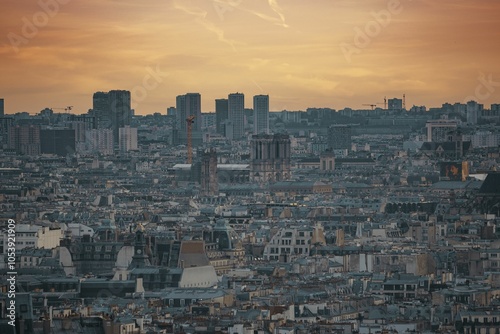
190, 121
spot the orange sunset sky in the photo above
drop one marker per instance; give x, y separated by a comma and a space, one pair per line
434, 51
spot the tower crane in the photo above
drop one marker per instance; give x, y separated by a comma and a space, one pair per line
68, 108
190, 121
371, 105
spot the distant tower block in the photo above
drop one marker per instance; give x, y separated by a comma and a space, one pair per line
209, 181
270, 158
261, 114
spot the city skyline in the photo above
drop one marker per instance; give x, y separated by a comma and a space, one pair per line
322, 54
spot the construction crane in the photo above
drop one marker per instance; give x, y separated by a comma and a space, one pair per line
68, 108
371, 105
190, 121
375, 104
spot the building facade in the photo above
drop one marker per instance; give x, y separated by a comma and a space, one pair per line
438, 130
99, 141
127, 139
32, 236
25, 139
395, 104
270, 158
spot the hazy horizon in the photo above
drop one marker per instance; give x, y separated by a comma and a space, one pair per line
331, 54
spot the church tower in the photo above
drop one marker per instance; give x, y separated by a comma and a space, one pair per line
139, 259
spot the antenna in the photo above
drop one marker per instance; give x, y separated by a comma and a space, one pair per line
404, 101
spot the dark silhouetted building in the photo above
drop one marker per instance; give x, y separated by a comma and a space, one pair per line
188, 105
5, 124
221, 115
112, 110
121, 114
171, 111
57, 141
236, 108
261, 114
2, 106
395, 104
339, 137
100, 110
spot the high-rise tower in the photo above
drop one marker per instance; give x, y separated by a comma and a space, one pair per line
121, 113
112, 110
261, 114
221, 115
236, 107
187, 105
